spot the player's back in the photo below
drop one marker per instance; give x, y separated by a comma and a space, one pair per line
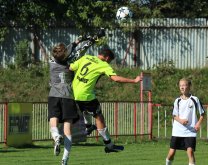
88, 70
60, 80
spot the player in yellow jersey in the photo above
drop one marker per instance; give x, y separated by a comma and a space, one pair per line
88, 70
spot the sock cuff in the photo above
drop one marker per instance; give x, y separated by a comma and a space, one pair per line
107, 141
54, 129
167, 160
68, 137
103, 129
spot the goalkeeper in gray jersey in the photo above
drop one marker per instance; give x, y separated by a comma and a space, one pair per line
61, 104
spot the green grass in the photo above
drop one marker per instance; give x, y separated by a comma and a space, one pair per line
92, 153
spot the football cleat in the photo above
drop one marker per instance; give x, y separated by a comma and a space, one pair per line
91, 129
64, 162
57, 145
114, 148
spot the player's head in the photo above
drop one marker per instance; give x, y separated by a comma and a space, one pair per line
184, 85
107, 54
59, 52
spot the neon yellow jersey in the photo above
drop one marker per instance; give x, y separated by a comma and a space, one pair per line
88, 69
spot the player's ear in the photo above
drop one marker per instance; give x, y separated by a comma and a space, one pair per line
108, 59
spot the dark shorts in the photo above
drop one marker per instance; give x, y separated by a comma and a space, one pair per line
92, 107
182, 143
62, 108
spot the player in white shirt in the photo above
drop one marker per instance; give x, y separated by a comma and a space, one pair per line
185, 123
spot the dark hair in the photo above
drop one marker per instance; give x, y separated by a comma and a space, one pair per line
107, 52
59, 52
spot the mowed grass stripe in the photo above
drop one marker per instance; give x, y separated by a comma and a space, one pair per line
141, 153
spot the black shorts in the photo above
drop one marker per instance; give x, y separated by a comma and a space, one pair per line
92, 107
182, 143
62, 108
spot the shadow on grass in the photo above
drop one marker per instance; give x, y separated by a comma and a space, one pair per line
7, 151
87, 144
24, 147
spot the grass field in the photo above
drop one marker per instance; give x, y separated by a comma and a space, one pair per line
92, 153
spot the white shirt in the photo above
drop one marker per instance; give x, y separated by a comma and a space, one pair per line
186, 109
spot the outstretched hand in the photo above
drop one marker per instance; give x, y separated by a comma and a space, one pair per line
137, 79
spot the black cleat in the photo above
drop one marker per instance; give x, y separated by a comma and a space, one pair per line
57, 145
114, 148
91, 129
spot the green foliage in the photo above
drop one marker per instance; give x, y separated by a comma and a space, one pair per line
165, 68
3, 32
23, 85
32, 84
22, 54
83, 14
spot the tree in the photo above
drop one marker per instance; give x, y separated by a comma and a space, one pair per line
36, 14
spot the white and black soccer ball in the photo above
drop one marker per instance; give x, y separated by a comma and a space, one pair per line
124, 13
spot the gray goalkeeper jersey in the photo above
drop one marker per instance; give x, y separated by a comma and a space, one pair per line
60, 80
60, 75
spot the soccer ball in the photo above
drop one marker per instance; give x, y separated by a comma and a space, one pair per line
123, 13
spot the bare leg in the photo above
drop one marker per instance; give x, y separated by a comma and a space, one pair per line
190, 154
55, 135
100, 121
67, 140
170, 156
54, 127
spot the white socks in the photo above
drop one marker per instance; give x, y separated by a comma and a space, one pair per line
54, 132
67, 147
106, 137
168, 162
104, 133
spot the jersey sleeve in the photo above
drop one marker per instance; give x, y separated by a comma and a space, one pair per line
70, 51
175, 108
109, 71
200, 107
75, 65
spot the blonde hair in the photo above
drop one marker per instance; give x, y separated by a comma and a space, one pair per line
59, 52
187, 80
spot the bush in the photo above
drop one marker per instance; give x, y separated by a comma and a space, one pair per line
22, 54
32, 84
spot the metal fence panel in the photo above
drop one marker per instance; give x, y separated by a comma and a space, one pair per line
184, 41
162, 122
126, 119
40, 124
122, 118
2, 121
